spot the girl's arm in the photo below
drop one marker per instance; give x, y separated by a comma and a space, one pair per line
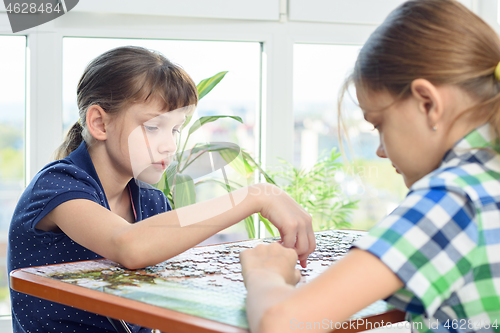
275, 305
165, 235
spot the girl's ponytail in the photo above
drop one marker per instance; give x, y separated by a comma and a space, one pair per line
72, 140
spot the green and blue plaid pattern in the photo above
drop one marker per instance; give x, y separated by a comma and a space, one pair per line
443, 242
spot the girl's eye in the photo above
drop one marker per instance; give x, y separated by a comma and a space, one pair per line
175, 130
150, 128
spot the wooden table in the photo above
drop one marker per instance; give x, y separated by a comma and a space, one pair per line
201, 290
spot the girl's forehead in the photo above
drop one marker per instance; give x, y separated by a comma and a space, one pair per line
374, 101
155, 110
177, 115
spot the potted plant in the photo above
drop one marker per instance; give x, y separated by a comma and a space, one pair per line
316, 190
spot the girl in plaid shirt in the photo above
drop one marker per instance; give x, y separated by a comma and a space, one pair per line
428, 79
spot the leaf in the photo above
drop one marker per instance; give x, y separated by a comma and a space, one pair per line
184, 191
236, 161
252, 162
221, 183
250, 227
186, 122
267, 224
166, 180
200, 163
206, 85
208, 119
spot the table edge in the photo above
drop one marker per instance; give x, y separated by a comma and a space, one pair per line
132, 311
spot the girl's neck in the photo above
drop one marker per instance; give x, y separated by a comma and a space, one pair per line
458, 122
113, 179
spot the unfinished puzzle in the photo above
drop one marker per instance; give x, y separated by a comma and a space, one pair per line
203, 281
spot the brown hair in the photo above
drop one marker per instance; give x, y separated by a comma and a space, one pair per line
123, 76
437, 40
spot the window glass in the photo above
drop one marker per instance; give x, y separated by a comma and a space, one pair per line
12, 144
236, 95
319, 72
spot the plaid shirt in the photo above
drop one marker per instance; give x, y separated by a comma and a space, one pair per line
443, 242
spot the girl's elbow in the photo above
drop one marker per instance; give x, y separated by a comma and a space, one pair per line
131, 263
127, 253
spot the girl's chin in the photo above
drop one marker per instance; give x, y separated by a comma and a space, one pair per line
150, 175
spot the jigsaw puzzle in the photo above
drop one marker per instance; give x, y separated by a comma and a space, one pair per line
203, 281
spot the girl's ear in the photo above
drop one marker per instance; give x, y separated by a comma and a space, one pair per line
429, 100
96, 122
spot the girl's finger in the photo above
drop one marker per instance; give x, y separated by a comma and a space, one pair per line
311, 245
289, 237
302, 243
312, 240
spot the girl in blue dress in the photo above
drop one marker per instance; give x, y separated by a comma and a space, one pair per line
95, 201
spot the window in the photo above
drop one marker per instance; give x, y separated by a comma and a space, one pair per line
12, 145
236, 95
319, 71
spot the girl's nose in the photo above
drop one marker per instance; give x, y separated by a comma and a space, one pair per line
381, 151
168, 144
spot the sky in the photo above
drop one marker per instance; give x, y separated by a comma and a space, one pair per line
12, 67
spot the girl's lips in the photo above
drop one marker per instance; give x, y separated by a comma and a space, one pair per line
160, 165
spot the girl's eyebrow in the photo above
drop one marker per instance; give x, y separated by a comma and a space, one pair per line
153, 114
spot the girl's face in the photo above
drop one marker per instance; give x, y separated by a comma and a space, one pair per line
147, 138
405, 135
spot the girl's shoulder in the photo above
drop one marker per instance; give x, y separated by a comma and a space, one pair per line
474, 174
64, 173
56, 183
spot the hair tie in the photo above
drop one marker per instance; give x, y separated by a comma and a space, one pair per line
497, 72
80, 121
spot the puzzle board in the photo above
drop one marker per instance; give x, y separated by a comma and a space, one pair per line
203, 281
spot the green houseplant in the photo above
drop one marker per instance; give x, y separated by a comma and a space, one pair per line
316, 190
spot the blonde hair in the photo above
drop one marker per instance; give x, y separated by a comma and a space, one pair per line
437, 40
123, 76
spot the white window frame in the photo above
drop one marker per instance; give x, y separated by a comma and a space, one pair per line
348, 11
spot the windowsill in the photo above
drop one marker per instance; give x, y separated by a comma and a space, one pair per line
6, 324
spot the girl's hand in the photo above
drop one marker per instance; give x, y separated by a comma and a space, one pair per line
292, 221
269, 259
